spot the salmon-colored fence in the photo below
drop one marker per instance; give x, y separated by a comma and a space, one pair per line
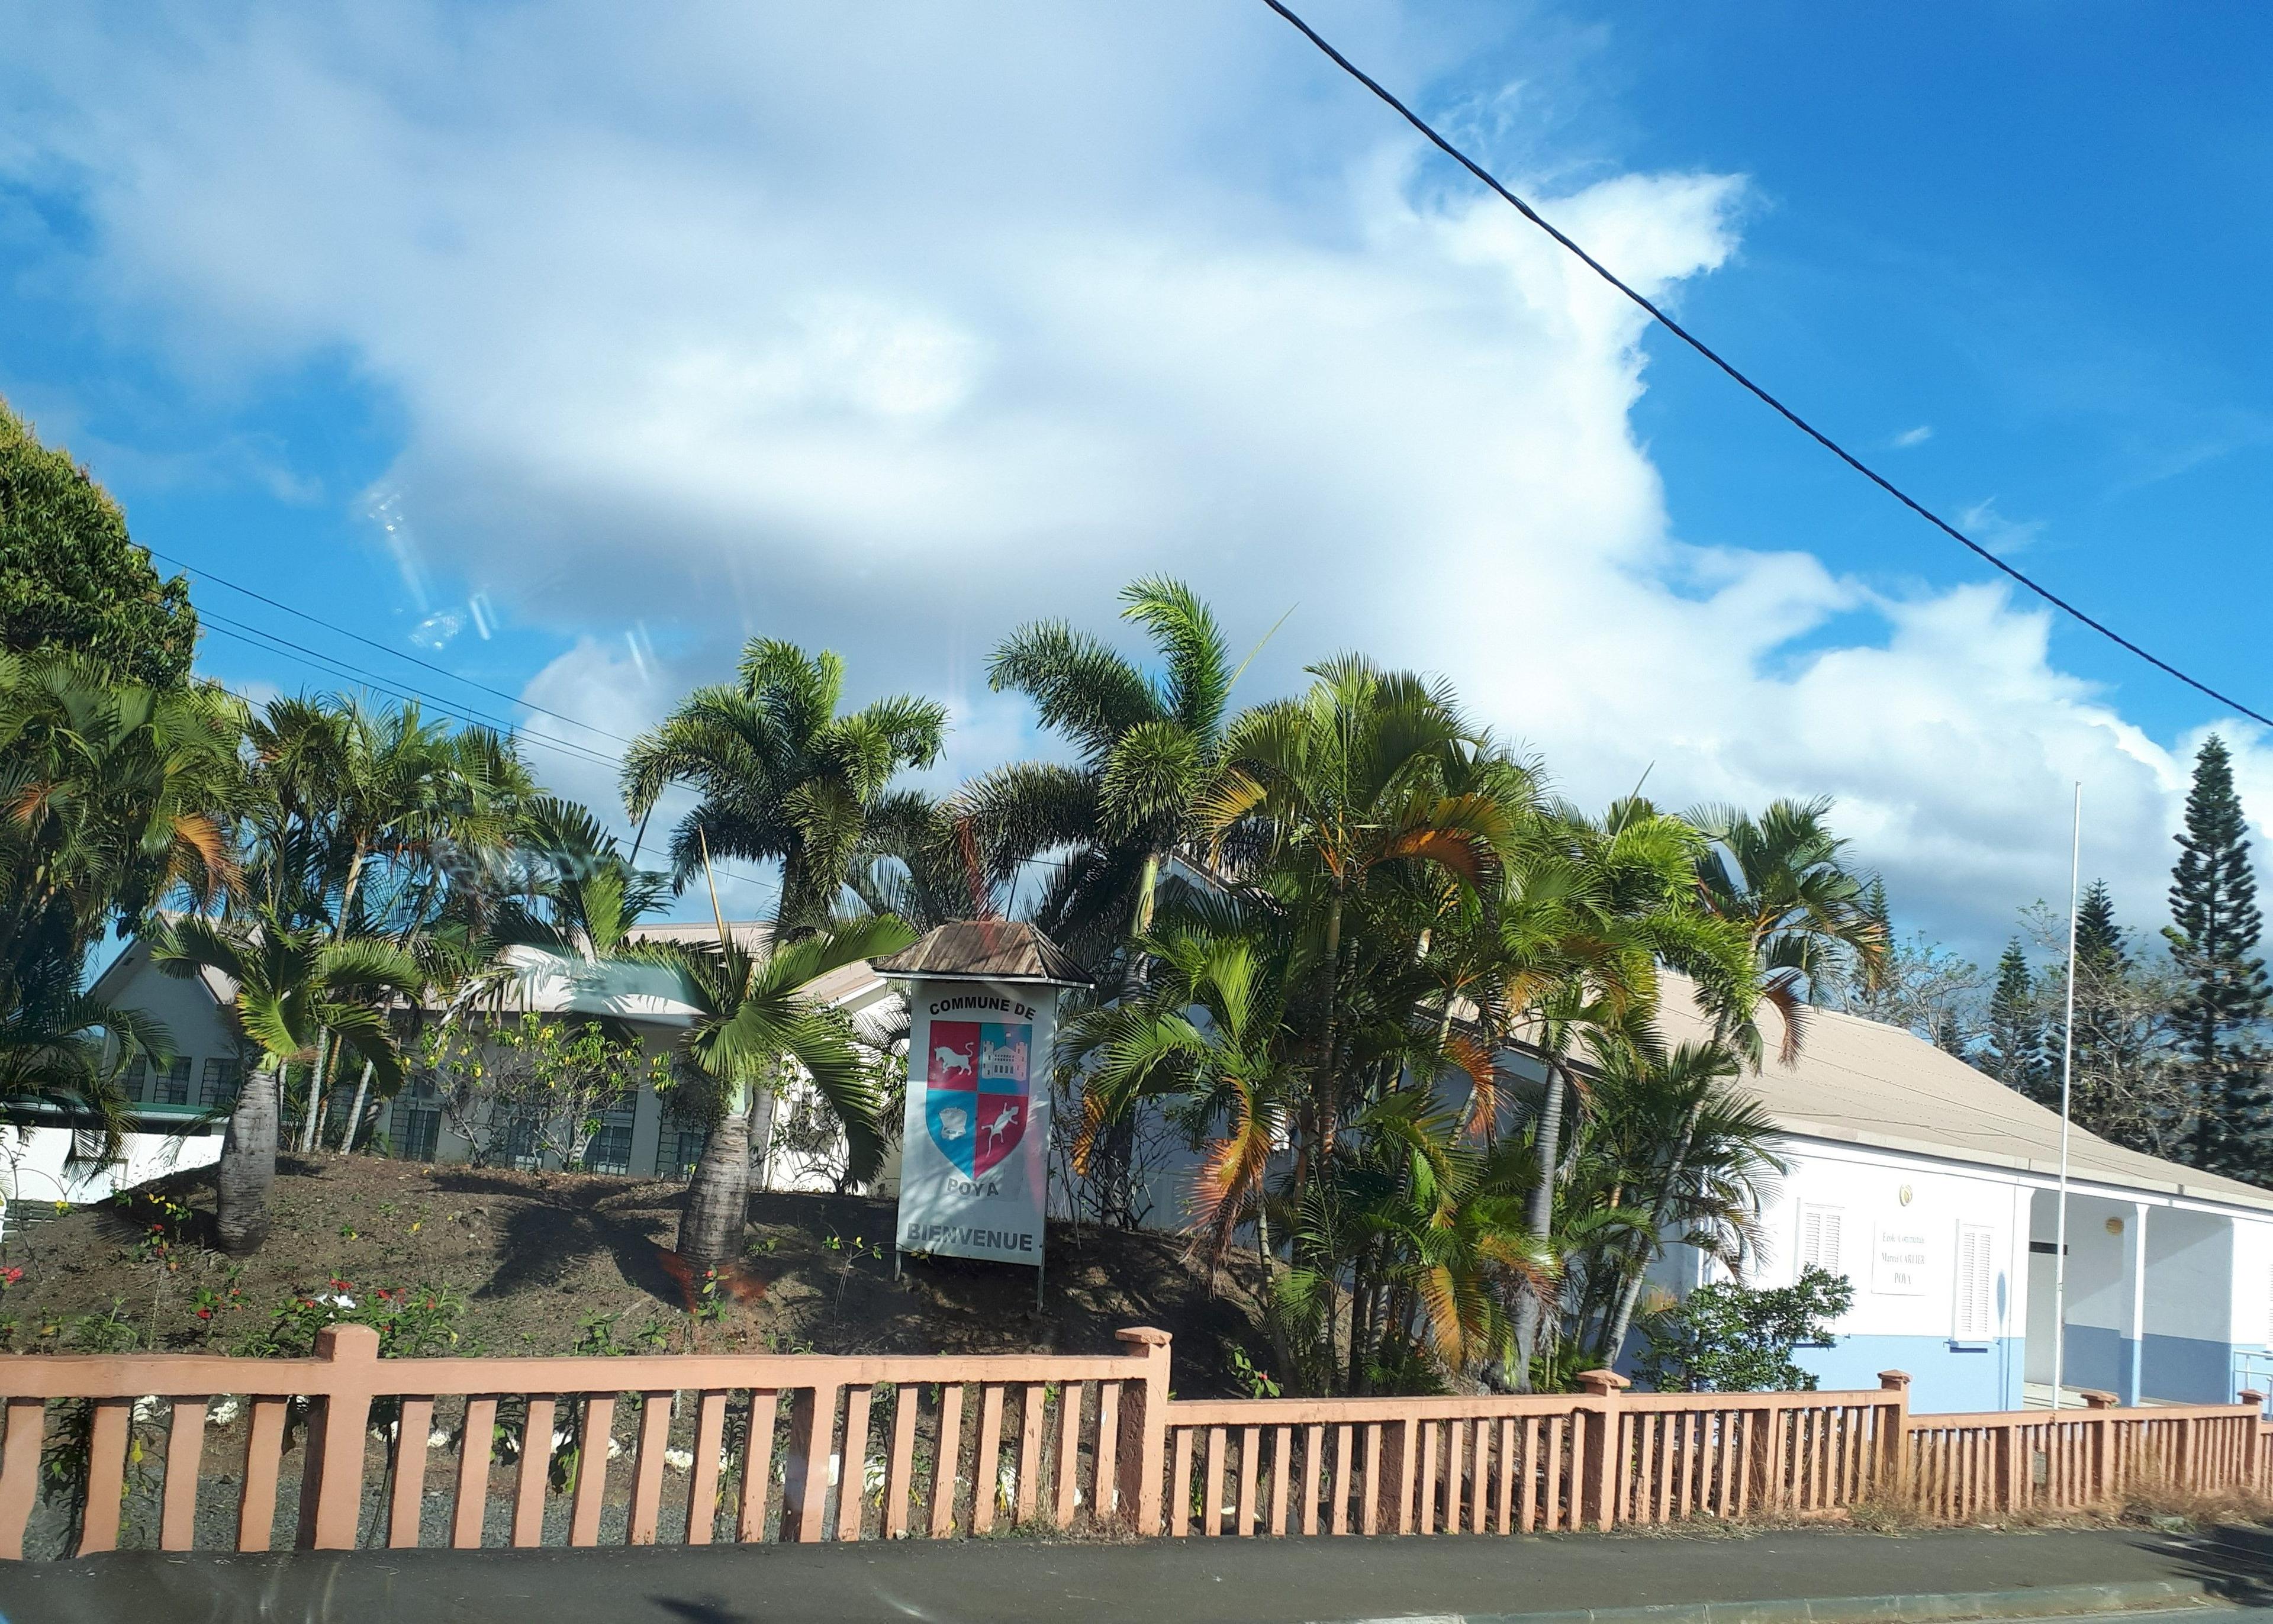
1956, 1466
181, 1452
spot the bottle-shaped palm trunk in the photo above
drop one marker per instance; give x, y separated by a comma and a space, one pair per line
718, 1198
248, 1166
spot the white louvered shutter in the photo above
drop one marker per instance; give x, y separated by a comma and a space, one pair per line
1977, 1302
1819, 1240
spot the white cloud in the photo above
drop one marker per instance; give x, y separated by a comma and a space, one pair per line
1984, 524
1919, 435
889, 336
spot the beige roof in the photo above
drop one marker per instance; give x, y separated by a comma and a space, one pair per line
1868, 1083
985, 950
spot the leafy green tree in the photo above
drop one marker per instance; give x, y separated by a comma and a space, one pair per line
783, 776
2213, 938
2015, 1052
70, 578
1728, 1338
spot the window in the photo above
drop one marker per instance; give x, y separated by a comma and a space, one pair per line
173, 1088
416, 1131
138, 1077
1975, 1315
521, 1146
678, 1148
1819, 1240
218, 1086
609, 1150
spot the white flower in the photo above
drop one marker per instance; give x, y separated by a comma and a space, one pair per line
439, 1439
562, 1438
873, 1474
145, 1408
222, 1413
678, 1460
615, 1447
338, 1300
1006, 1486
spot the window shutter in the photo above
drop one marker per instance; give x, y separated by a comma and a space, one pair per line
1818, 1239
1975, 1285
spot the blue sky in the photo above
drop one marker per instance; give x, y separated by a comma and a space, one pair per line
888, 340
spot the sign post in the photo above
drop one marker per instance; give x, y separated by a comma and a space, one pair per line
974, 1146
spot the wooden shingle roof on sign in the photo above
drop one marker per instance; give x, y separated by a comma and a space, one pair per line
985, 950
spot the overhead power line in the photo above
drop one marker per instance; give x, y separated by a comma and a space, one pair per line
328, 625
1755, 390
331, 665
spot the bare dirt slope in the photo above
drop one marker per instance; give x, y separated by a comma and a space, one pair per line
551, 1262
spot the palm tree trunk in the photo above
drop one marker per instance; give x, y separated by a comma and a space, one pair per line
1614, 1340
1539, 1216
248, 1165
718, 1195
354, 1114
1147, 884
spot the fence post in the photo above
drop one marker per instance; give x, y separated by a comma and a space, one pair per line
1598, 1478
2097, 1398
1895, 1448
330, 1487
2252, 1440
1143, 1428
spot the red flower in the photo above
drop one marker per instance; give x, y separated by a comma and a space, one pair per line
9, 1276
205, 1314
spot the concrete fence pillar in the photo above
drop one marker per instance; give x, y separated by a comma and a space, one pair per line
1603, 1460
1894, 1422
1142, 1448
330, 1488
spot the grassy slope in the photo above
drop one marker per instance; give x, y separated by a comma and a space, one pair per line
537, 1255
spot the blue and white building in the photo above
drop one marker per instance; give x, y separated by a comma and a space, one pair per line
1933, 1188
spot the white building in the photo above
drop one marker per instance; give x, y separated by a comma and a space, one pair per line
190, 1098
1933, 1189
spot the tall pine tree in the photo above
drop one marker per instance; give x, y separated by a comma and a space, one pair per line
2213, 934
2015, 1054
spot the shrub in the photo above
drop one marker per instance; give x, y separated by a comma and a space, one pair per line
1737, 1339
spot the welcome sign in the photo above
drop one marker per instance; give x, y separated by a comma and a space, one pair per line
973, 1169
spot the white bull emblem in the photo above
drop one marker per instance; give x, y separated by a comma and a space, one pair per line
946, 1061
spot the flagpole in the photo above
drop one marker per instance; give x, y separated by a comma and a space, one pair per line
2067, 1078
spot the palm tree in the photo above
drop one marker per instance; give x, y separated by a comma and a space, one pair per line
781, 774
1427, 1224
1147, 749
1370, 785
1683, 1146
1807, 916
59, 1046
1567, 958
294, 986
1207, 1030
754, 1017
355, 808
114, 795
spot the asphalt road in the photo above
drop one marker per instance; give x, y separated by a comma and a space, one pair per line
1022, 1581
